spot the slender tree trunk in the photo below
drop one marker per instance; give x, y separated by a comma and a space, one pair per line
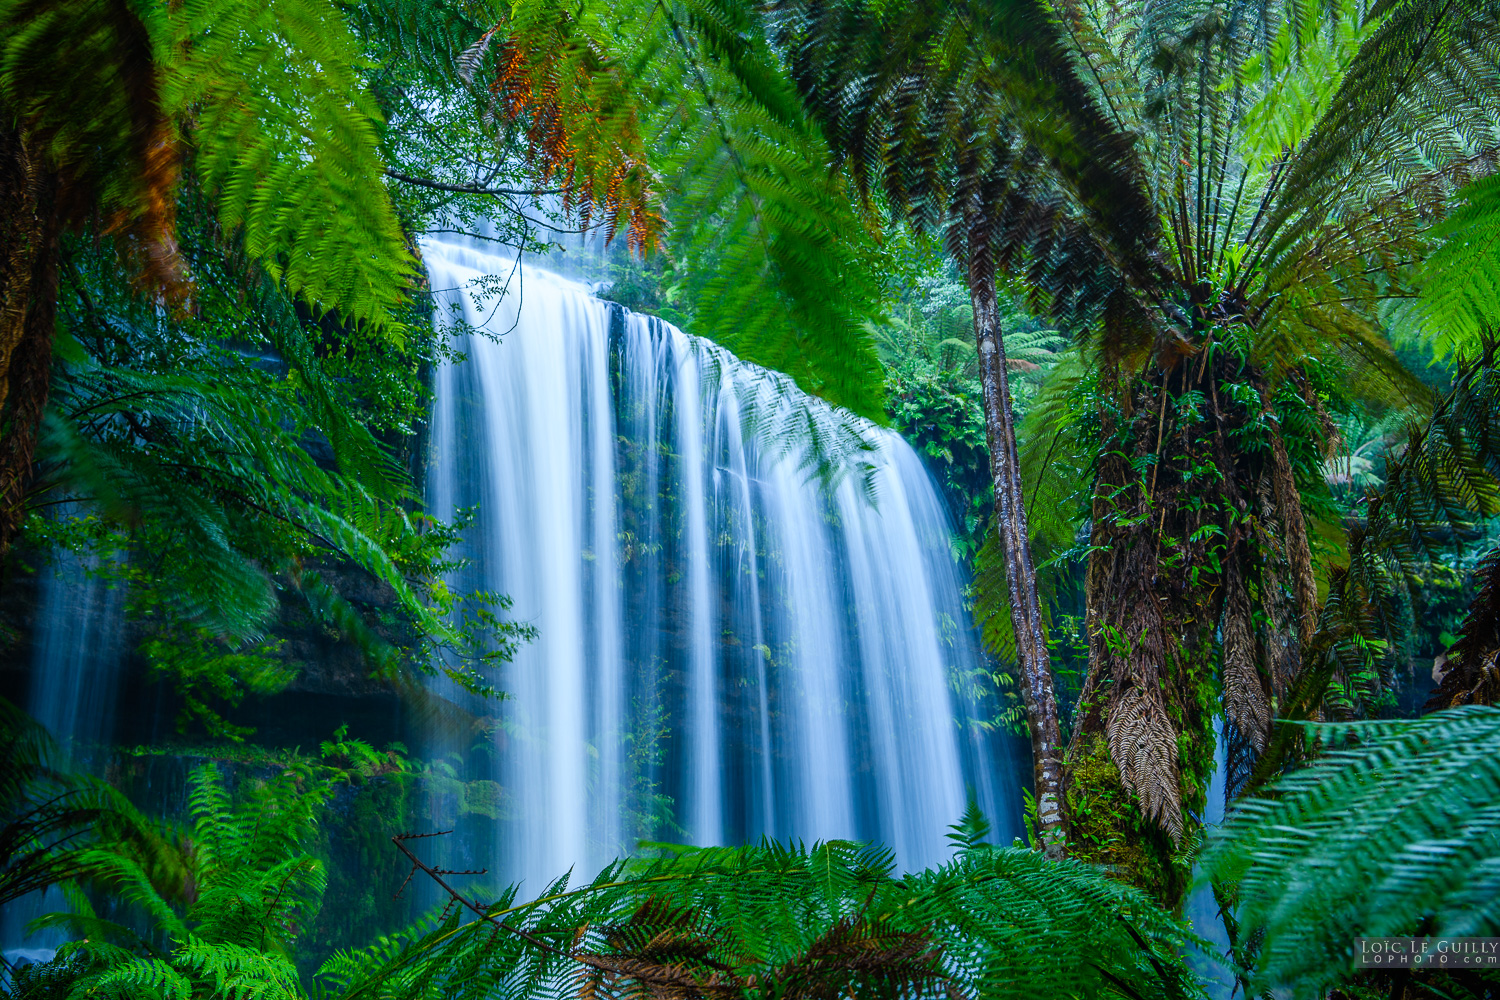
1032, 661
29, 228
20, 241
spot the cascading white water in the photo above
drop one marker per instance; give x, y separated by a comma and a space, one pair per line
76, 655
75, 669
728, 647
1201, 908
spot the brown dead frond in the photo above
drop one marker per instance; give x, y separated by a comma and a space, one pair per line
860, 954
582, 131
1143, 745
662, 953
1246, 701
667, 953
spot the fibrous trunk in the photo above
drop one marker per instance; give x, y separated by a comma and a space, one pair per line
1471, 673
1190, 534
1033, 664
28, 301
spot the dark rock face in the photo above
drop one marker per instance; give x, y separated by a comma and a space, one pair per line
19, 595
333, 682
145, 756
327, 663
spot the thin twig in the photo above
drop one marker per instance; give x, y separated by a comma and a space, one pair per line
436, 874
468, 188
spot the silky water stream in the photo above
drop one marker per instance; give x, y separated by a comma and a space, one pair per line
731, 644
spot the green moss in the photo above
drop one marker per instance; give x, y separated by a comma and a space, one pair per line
1107, 827
1199, 668
244, 754
484, 798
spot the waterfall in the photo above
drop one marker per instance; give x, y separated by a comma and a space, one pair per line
1201, 909
76, 654
729, 645
76, 659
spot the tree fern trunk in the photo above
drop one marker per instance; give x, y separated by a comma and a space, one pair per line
20, 240
1034, 665
1199, 591
28, 305
1167, 518
1472, 676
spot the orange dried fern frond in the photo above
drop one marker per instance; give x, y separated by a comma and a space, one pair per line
575, 104
661, 952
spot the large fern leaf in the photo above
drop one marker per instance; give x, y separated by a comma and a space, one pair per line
811, 922
1393, 829
286, 135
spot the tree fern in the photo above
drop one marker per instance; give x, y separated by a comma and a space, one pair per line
1223, 204
273, 105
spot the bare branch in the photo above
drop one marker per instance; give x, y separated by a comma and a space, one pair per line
436, 874
468, 188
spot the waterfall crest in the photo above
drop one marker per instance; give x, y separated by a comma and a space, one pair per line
728, 647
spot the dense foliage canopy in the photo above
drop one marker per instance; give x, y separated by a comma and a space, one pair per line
1190, 306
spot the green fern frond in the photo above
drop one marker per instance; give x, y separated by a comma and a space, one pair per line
237, 972
1054, 455
46, 814
969, 832
1393, 829
287, 137
129, 882
427, 39
779, 265
1460, 281
138, 977
1001, 923
215, 456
